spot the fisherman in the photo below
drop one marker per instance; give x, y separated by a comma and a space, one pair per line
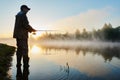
21, 30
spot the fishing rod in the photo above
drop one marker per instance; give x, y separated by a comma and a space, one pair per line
34, 33
46, 30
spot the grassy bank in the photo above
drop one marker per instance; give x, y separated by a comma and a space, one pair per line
6, 53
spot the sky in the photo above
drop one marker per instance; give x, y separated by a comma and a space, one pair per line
64, 15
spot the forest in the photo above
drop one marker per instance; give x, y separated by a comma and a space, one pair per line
106, 33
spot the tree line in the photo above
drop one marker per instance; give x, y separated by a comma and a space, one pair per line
106, 33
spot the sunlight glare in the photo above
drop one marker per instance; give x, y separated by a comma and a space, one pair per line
35, 49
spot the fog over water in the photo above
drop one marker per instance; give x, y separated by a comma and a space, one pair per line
79, 44
66, 43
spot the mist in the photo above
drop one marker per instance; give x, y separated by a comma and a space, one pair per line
73, 44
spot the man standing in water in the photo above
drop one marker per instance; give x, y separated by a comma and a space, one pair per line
21, 30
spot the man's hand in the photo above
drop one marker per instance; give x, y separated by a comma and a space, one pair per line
34, 32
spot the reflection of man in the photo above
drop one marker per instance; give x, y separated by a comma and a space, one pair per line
21, 30
22, 75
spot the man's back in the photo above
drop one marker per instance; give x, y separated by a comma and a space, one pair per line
20, 30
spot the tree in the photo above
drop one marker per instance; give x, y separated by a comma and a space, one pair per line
107, 31
77, 33
105, 26
109, 25
84, 34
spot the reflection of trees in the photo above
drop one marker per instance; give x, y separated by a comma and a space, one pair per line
77, 51
107, 53
84, 52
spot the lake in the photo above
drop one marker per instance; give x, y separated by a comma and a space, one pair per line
65, 60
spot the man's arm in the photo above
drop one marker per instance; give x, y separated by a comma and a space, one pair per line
26, 24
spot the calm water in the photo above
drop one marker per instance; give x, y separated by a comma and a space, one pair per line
65, 63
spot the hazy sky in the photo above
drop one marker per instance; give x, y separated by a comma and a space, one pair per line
65, 15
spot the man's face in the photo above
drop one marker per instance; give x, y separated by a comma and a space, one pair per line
25, 10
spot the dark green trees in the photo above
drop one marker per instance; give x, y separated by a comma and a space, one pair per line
106, 33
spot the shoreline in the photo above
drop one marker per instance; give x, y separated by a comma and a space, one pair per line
6, 53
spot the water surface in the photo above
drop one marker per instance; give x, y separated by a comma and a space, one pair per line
70, 63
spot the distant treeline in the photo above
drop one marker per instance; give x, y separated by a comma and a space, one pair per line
106, 33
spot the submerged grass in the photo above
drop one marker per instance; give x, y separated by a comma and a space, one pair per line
6, 53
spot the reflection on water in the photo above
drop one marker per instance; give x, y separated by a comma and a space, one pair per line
22, 75
70, 63
53, 63
35, 49
79, 62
